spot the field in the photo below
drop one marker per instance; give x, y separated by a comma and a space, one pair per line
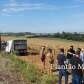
34, 45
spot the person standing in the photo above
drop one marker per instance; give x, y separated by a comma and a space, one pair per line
82, 59
43, 56
76, 65
51, 60
0, 42
82, 55
62, 72
70, 52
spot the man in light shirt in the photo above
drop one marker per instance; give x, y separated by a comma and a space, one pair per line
82, 55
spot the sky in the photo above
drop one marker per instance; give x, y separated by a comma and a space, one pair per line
42, 16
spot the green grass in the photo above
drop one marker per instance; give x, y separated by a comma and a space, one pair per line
30, 72
47, 79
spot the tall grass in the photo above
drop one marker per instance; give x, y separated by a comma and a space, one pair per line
30, 72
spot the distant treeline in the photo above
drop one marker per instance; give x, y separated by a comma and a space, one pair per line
70, 36
64, 35
16, 34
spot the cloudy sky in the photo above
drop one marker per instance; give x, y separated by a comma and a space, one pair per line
41, 15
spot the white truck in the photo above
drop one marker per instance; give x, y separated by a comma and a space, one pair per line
18, 46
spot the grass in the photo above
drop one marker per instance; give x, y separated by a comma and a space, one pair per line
29, 72
47, 79
33, 74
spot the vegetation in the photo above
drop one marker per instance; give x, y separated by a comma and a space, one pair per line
64, 35
70, 36
46, 79
28, 72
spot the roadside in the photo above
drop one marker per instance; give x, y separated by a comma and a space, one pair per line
16, 71
9, 74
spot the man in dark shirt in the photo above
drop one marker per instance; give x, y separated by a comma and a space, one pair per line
76, 64
70, 52
62, 72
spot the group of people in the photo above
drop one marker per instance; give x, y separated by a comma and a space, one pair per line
70, 63
44, 55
